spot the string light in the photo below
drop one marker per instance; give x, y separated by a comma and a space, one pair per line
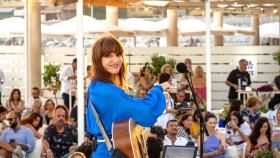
262, 10
275, 11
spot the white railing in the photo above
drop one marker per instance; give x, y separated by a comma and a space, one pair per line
13, 64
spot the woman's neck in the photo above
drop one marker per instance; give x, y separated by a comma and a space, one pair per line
251, 110
211, 131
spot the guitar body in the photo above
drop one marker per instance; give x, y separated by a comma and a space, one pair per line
127, 137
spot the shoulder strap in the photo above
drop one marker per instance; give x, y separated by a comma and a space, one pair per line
108, 142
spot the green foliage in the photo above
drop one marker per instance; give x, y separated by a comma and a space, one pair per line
51, 77
264, 102
264, 154
276, 56
225, 112
158, 61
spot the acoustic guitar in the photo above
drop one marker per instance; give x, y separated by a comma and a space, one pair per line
127, 137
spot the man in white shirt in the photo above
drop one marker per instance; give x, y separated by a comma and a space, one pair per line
68, 81
35, 96
171, 137
2, 80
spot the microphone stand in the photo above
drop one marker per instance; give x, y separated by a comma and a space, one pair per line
201, 119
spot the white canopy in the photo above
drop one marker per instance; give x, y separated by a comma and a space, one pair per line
14, 27
91, 26
269, 30
144, 27
194, 27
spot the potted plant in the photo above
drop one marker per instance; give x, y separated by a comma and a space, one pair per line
223, 115
158, 61
51, 78
276, 56
264, 99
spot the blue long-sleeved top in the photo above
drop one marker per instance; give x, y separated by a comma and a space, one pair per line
113, 104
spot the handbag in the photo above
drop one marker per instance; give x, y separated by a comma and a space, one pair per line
115, 153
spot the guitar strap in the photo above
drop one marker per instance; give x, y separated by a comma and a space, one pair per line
108, 142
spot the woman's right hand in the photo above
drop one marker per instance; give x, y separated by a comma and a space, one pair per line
221, 149
165, 86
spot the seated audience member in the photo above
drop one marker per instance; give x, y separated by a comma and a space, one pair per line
171, 137
3, 113
48, 110
180, 99
33, 121
36, 107
155, 141
195, 128
184, 128
276, 98
250, 113
181, 104
276, 134
59, 137
238, 130
235, 105
35, 95
15, 102
170, 111
260, 138
215, 143
17, 135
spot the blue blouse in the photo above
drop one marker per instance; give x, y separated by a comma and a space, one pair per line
113, 104
212, 144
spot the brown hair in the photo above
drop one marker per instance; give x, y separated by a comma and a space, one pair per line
251, 102
46, 102
103, 47
12, 94
29, 119
65, 109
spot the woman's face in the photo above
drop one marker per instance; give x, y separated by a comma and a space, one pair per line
36, 122
16, 95
264, 128
234, 119
50, 105
258, 105
112, 63
167, 70
146, 71
188, 122
211, 124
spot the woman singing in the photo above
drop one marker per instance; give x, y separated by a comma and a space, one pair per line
106, 91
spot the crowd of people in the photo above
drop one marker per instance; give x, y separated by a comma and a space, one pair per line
167, 112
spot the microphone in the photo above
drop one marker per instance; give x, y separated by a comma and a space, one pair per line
182, 68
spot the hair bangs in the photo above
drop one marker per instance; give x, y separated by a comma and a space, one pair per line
111, 45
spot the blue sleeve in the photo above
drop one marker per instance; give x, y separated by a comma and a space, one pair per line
4, 136
113, 104
30, 140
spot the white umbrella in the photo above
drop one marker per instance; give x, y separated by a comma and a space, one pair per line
144, 27
14, 27
195, 27
269, 30
91, 26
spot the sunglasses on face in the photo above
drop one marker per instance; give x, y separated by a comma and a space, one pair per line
10, 119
